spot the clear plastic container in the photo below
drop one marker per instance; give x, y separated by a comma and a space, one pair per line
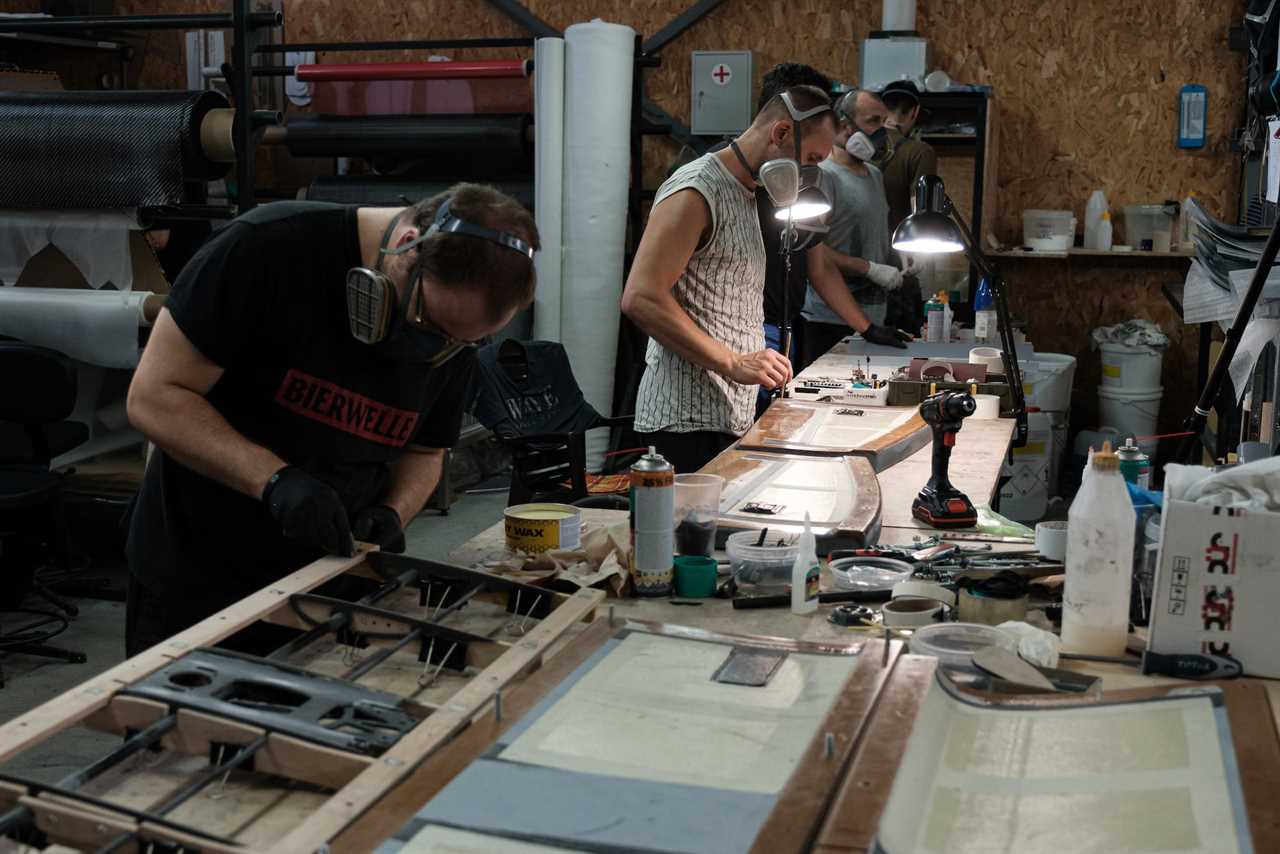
697, 506
1048, 231
954, 644
868, 573
1149, 227
761, 569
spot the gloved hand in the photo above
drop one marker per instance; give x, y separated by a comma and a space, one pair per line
309, 511
886, 337
380, 525
885, 275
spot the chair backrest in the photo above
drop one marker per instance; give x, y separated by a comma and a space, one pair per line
527, 388
37, 385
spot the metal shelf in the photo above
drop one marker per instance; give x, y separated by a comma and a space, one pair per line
1088, 253
64, 41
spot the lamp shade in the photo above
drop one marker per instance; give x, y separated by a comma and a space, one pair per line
810, 204
928, 233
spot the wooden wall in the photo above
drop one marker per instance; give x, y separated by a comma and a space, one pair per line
1087, 92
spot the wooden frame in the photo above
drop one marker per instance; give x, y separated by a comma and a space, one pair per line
785, 424
358, 781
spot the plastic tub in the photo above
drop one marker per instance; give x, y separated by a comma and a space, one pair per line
1131, 412
954, 644
1025, 496
1149, 227
760, 569
1048, 231
1131, 368
697, 506
1047, 381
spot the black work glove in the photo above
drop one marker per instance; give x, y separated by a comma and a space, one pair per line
309, 511
886, 337
379, 525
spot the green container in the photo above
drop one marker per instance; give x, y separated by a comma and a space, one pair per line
695, 576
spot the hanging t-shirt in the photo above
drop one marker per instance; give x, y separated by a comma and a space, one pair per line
265, 300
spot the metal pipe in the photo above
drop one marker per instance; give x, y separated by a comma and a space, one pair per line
339, 621
75, 23
420, 44
139, 741
454, 70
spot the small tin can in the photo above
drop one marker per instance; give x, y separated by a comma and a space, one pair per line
1135, 466
652, 524
537, 528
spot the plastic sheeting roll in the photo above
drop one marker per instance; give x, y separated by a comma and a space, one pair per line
95, 150
377, 191
548, 113
471, 145
599, 63
97, 327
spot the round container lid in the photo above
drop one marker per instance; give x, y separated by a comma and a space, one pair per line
955, 643
868, 573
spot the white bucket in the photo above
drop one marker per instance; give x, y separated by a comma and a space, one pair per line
1130, 368
1025, 497
1047, 380
1131, 412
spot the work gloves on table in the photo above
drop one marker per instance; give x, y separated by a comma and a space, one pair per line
886, 337
311, 512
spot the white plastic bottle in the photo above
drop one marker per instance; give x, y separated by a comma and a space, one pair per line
1100, 529
805, 574
1093, 211
1186, 228
1104, 232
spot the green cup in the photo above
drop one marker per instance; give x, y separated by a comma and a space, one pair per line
695, 576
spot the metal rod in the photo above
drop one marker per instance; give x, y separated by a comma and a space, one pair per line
210, 774
380, 656
679, 24
419, 44
242, 87
1199, 416
139, 741
338, 622
452, 70
218, 21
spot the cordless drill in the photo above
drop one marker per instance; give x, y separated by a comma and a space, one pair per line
940, 504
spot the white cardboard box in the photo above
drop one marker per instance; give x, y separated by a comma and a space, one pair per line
1218, 585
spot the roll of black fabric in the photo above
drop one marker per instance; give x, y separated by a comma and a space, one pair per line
379, 191
480, 145
92, 150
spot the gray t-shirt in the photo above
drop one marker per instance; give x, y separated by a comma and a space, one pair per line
722, 291
859, 223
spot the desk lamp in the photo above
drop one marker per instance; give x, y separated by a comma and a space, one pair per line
936, 227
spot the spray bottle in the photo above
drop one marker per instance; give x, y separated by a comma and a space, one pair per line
805, 574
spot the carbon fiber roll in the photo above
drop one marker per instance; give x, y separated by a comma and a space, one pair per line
90, 150
453, 145
393, 192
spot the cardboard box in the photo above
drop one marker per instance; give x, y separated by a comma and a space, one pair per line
1218, 585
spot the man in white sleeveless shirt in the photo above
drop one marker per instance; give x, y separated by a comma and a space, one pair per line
697, 285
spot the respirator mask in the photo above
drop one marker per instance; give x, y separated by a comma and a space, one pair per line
373, 309
784, 178
864, 147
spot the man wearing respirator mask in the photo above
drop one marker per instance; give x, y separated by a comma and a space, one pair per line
857, 242
696, 285
301, 385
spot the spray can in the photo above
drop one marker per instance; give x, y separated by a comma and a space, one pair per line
1135, 466
934, 319
653, 492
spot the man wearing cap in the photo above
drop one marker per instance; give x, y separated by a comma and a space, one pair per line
904, 158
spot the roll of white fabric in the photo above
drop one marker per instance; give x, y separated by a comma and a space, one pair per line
548, 183
599, 62
97, 327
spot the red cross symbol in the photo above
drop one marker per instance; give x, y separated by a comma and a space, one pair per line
722, 74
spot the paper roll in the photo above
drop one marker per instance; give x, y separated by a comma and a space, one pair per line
97, 327
548, 183
599, 61
1051, 540
989, 356
988, 406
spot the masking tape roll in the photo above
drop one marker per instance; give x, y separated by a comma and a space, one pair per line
1051, 540
909, 612
992, 357
932, 365
990, 611
924, 589
987, 407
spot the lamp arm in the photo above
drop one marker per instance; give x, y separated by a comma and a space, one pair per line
1009, 352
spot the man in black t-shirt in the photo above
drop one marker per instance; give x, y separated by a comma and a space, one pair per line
301, 385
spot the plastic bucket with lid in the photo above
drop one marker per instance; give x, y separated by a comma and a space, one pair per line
1131, 368
1047, 380
1149, 227
1132, 412
1048, 231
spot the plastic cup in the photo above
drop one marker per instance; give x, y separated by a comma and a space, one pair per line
695, 576
696, 509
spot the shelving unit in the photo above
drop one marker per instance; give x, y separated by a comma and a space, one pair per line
1088, 253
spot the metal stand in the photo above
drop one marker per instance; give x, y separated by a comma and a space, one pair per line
1199, 417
